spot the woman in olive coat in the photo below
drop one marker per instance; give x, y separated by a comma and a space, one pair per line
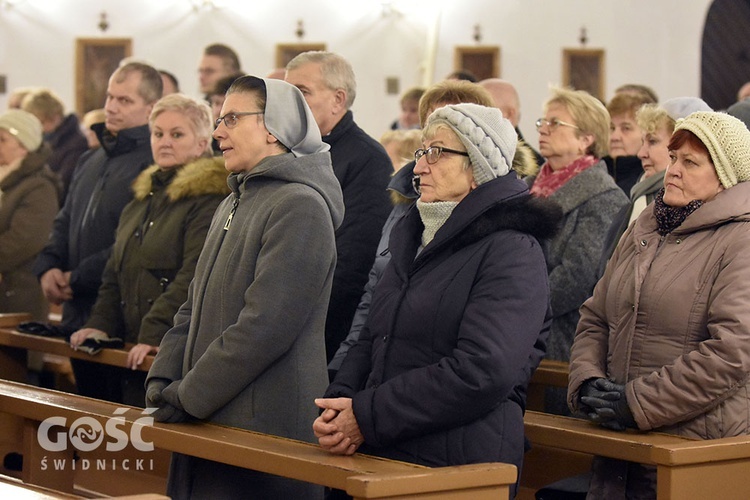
29, 193
159, 237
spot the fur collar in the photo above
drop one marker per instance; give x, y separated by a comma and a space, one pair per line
201, 177
538, 217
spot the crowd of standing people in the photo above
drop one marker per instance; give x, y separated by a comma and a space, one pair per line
293, 276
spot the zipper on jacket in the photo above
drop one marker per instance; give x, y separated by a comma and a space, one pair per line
231, 213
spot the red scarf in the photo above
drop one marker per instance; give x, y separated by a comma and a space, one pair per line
549, 181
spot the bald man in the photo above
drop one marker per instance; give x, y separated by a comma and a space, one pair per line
506, 99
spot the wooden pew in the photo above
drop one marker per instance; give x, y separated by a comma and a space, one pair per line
686, 469
360, 475
14, 343
14, 347
550, 373
16, 489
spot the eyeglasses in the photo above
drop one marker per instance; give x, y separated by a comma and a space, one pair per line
432, 154
231, 119
553, 124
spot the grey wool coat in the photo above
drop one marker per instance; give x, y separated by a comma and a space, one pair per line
247, 347
589, 201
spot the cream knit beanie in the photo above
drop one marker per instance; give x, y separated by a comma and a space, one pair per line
727, 140
489, 138
23, 126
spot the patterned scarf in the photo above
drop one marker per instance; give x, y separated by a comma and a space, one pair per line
670, 218
549, 181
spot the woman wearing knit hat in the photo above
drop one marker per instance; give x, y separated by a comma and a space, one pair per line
29, 193
458, 320
657, 123
664, 343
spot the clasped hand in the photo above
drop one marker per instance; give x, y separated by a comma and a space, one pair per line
605, 403
336, 428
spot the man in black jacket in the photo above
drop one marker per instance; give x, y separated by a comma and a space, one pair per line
363, 169
71, 265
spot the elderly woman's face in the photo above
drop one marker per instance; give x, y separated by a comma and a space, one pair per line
690, 176
624, 136
10, 149
446, 179
173, 141
654, 154
559, 139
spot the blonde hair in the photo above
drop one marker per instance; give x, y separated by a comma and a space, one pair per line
452, 92
650, 117
589, 114
407, 141
44, 104
198, 113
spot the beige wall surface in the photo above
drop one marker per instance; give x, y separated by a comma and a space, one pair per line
652, 42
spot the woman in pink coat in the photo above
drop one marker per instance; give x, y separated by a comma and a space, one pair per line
664, 342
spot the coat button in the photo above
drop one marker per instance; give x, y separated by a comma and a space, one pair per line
643, 243
150, 301
385, 338
678, 241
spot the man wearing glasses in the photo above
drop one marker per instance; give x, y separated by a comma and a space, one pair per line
363, 169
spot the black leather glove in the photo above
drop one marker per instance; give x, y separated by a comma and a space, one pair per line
591, 390
154, 398
609, 404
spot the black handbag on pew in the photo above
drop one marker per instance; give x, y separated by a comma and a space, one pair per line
91, 345
45, 329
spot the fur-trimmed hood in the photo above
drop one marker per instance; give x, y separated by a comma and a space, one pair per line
501, 204
201, 177
538, 217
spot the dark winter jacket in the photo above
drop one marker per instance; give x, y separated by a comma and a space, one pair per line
28, 204
625, 170
403, 196
84, 230
438, 376
160, 236
68, 144
363, 170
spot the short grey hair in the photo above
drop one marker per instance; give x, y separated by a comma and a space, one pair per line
337, 72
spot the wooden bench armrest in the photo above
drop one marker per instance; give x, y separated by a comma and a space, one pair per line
477, 476
271, 454
551, 373
10, 320
586, 437
113, 357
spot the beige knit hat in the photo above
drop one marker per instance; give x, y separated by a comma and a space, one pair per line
727, 140
23, 126
489, 138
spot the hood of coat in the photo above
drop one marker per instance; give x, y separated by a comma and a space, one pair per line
204, 176
312, 170
730, 205
35, 163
